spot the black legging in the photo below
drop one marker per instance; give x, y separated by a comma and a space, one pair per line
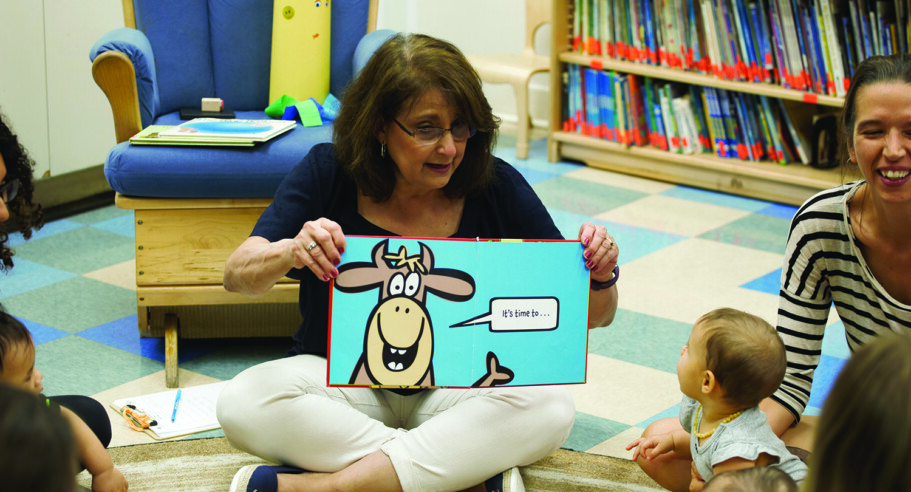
90, 411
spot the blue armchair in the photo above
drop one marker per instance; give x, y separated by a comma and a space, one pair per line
194, 205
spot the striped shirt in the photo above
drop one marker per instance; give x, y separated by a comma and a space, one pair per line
823, 266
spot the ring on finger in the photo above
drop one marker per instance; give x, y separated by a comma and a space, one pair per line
311, 246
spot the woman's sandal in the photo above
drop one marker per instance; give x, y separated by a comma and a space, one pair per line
260, 478
508, 481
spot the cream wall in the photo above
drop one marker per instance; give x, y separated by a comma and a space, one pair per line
46, 87
62, 117
477, 27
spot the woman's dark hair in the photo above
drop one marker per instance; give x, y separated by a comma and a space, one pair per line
37, 448
873, 70
24, 214
403, 68
863, 438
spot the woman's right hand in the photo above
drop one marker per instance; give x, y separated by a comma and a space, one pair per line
257, 264
319, 246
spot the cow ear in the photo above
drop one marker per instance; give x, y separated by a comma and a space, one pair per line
379, 250
363, 276
426, 257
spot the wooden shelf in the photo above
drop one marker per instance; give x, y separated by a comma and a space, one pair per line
790, 184
693, 78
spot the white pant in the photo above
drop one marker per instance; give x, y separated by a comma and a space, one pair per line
444, 439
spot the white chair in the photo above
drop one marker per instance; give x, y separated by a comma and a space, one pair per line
517, 69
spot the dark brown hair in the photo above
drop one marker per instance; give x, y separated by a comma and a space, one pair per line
745, 353
755, 479
24, 214
12, 333
403, 68
863, 437
873, 70
37, 448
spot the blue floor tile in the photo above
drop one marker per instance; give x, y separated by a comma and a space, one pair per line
589, 431
26, 276
769, 283
715, 198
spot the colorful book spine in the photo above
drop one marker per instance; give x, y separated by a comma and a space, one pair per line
661, 141
606, 96
838, 70
670, 123
592, 110
801, 147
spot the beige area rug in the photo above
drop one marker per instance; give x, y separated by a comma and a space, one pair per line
210, 464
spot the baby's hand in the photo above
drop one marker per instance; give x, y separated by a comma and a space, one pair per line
696, 481
658, 446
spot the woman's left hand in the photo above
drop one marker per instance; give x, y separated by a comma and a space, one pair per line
601, 251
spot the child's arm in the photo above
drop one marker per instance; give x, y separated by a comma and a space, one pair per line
93, 456
677, 441
738, 463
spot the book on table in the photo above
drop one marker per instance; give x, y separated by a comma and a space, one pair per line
215, 129
151, 135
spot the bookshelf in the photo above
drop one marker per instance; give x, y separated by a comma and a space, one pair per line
792, 183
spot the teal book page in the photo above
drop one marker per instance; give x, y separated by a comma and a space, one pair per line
458, 313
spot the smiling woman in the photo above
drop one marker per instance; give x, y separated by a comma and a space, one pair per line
849, 246
412, 155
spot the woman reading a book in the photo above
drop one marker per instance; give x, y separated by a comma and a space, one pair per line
412, 156
849, 246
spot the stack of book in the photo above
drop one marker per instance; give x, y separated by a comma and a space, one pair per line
213, 132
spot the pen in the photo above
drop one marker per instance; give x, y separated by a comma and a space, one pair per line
176, 403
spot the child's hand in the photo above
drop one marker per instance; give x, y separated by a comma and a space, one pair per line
658, 446
696, 481
110, 480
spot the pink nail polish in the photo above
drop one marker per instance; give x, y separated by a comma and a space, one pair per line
587, 254
325, 278
589, 264
333, 273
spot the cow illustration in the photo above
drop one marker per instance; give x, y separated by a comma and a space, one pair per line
398, 341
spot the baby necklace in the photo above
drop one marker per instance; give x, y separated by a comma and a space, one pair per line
706, 435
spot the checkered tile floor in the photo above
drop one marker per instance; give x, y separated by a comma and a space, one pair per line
683, 252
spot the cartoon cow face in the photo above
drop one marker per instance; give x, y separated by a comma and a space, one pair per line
398, 342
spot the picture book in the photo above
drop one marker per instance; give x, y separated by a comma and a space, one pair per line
409, 312
228, 130
151, 135
193, 411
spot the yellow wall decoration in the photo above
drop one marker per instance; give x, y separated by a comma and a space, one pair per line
300, 49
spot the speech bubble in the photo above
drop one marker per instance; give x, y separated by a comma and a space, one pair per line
519, 314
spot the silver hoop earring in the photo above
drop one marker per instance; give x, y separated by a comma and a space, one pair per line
382, 150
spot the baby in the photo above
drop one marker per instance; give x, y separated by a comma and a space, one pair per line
756, 479
733, 361
87, 419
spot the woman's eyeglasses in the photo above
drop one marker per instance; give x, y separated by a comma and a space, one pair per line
9, 190
429, 135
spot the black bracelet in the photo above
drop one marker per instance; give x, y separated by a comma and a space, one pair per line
607, 284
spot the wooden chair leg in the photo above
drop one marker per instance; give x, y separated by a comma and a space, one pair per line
171, 326
523, 120
142, 315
